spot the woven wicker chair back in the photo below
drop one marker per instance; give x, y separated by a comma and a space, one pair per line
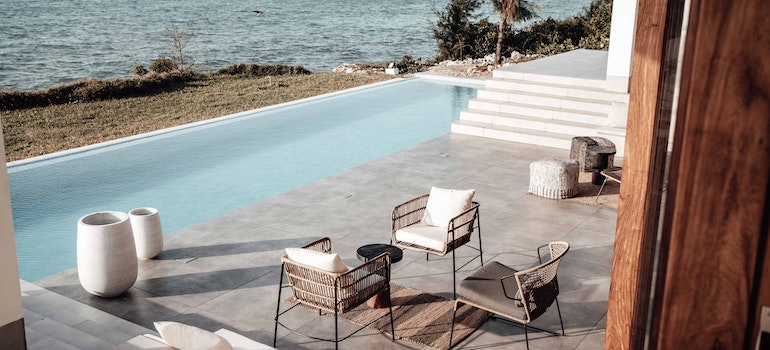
320, 289
538, 285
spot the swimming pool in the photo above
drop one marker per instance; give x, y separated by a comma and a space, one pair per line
195, 173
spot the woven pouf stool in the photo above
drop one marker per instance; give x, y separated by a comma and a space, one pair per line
554, 178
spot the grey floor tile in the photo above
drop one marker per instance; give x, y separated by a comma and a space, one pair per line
224, 273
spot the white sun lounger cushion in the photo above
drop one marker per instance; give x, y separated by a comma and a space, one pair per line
423, 235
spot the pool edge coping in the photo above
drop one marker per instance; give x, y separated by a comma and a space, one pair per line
65, 153
19, 165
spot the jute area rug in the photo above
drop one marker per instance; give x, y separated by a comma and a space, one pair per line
588, 191
420, 317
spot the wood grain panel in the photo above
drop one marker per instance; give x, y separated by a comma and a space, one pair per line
714, 243
652, 77
762, 283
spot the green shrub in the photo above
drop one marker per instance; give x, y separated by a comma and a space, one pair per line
485, 38
96, 90
259, 70
409, 65
163, 65
140, 70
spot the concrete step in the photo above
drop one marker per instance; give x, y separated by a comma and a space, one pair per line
546, 100
532, 110
555, 89
531, 123
550, 79
499, 132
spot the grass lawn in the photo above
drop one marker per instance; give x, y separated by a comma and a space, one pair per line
36, 131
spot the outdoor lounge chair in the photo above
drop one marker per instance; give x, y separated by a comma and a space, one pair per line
319, 280
450, 227
520, 296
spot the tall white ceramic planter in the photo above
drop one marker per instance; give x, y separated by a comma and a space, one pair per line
148, 233
107, 264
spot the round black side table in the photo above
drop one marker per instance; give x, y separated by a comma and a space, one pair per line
369, 251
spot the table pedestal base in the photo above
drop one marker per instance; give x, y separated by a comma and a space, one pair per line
379, 301
597, 178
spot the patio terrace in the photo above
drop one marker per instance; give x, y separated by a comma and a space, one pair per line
225, 272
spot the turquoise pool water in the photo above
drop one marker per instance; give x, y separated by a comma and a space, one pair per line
199, 172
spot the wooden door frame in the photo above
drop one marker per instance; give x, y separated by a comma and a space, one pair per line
714, 235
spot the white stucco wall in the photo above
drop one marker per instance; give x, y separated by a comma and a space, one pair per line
621, 44
10, 289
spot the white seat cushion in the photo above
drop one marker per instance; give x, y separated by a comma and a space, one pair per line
182, 336
421, 234
240, 342
444, 204
152, 342
319, 260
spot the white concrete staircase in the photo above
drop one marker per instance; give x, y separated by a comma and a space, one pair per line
541, 109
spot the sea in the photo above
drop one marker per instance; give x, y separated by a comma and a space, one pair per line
47, 42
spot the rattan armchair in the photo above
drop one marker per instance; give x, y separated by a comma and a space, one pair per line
520, 296
409, 215
333, 293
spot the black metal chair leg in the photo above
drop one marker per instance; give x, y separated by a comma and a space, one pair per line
278, 307
526, 336
454, 276
336, 334
452, 330
560, 320
392, 328
481, 251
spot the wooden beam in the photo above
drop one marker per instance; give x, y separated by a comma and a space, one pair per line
714, 232
762, 294
652, 84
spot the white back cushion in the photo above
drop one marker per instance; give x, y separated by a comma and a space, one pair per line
319, 260
186, 337
444, 204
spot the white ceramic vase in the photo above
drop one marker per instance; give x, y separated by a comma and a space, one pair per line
148, 233
106, 253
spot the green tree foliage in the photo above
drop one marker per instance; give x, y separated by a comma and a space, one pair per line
596, 20
454, 31
511, 11
458, 34
588, 30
